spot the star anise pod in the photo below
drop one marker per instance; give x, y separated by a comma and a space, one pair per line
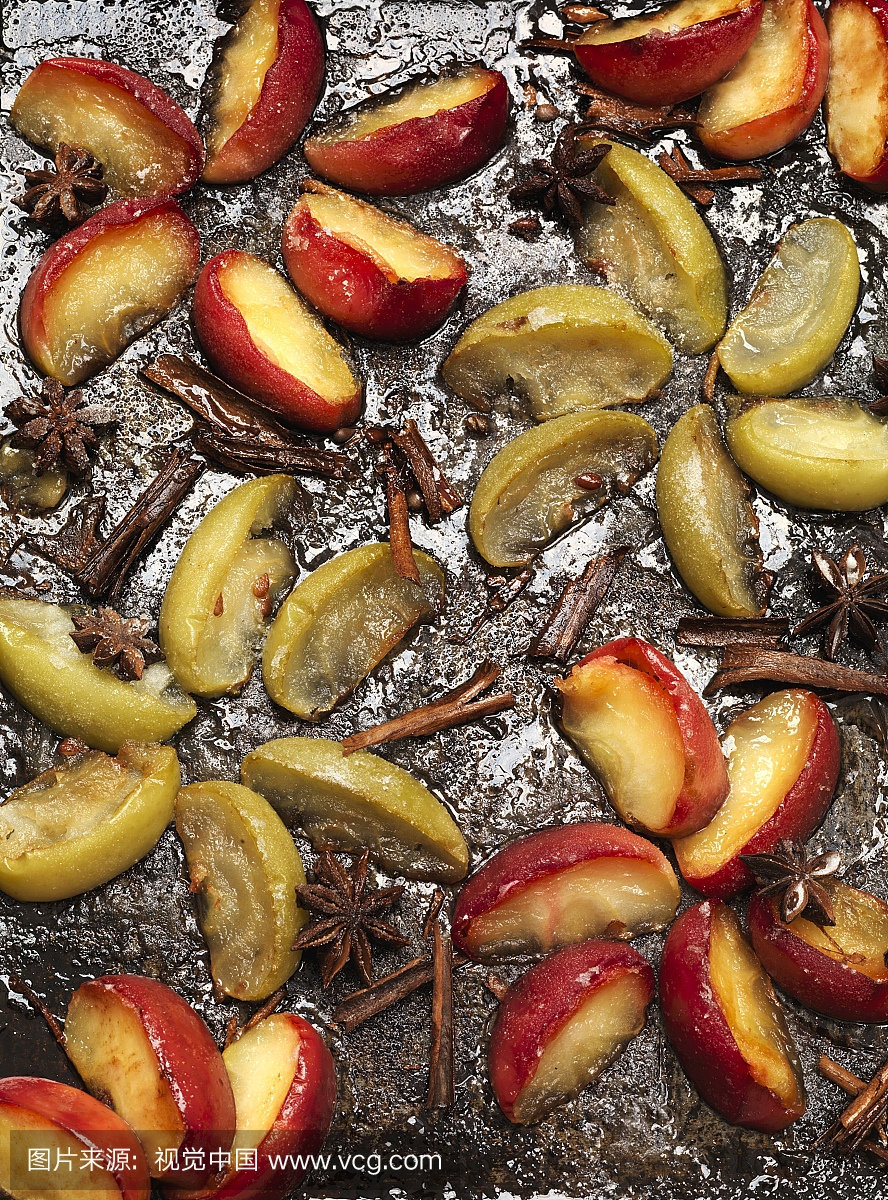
854, 605
789, 873
562, 184
348, 908
116, 643
62, 427
68, 192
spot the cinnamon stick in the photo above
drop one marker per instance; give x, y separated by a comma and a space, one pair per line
836, 1073
496, 986
439, 495
748, 664
697, 181
398, 513
104, 572
441, 1067
611, 113
764, 632
454, 708
382, 994
243, 454
435, 907
575, 607
19, 985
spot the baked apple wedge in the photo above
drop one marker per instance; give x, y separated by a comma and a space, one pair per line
638, 723
725, 1023
798, 312
654, 246
857, 92
101, 285
561, 348
220, 597
430, 135
773, 93
371, 273
564, 885
104, 1157
814, 452
262, 338
674, 54
708, 522
244, 869
284, 1085
840, 970
43, 669
77, 826
783, 765
25, 489
267, 74
135, 1043
359, 801
560, 1025
340, 623
144, 141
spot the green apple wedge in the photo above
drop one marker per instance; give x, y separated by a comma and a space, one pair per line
654, 246
356, 801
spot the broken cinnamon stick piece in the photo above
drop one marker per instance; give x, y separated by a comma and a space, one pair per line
382, 994
836, 1073
765, 632
398, 513
439, 495
698, 181
106, 569
432, 915
241, 454
711, 376
441, 1078
265, 1010
575, 607
606, 112
496, 986
749, 664
455, 708
19, 985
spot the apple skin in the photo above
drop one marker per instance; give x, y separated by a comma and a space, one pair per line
155, 99
300, 1127
87, 1119
62, 253
833, 988
666, 68
700, 1034
288, 97
347, 286
233, 354
422, 153
877, 179
772, 132
538, 1004
799, 813
536, 856
187, 1058
706, 775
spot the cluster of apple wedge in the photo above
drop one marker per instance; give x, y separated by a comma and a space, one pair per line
528, 493
371, 273
218, 602
708, 523
783, 766
77, 826
561, 1024
725, 1023
647, 734
430, 135
62, 686
564, 885
101, 285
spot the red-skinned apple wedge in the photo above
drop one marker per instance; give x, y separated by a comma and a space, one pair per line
430, 135
857, 92
137, 1044
771, 96
563, 885
673, 55
783, 766
83, 1133
284, 1084
725, 1023
362, 268
261, 337
840, 970
104, 283
268, 79
636, 720
145, 142
560, 1025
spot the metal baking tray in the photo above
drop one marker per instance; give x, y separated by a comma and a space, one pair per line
640, 1130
